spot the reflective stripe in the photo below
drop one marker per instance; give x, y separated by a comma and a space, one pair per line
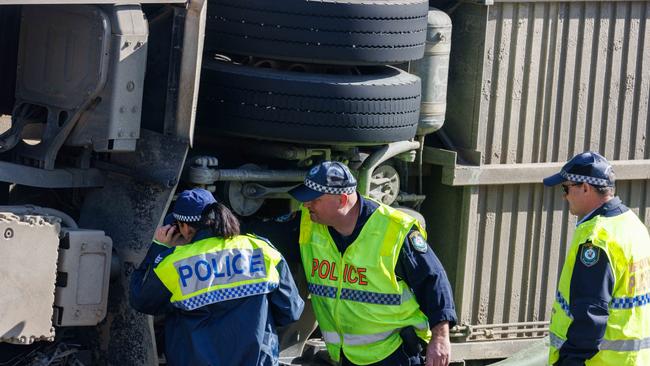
406, 294
361, 339
626, 345
371, 297
331, 337
356, 339
556, 341
564, 304
322, 290
224, 294
630, 302
422, 326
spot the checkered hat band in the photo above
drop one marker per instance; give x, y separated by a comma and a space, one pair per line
184, 218
584, 179
630, 302
329, 190
224, 294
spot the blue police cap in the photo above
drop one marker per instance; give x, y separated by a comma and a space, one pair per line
169, 219
588, 167
328, 177
191, 203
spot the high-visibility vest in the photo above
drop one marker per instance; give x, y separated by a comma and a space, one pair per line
624, 239
359, 302
216, 269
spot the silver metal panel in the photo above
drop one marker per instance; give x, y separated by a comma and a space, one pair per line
28, 254
190, 69
62, 57
113, 123
540, 81
86, 261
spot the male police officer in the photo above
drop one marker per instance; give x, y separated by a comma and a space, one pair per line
371, 275
601, 315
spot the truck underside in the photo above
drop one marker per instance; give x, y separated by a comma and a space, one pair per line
109, 108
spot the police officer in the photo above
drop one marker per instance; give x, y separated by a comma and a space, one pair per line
380, 295
223, 293
601, 315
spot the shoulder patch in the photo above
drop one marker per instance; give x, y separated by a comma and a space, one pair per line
589, 255
285, 217
418, 242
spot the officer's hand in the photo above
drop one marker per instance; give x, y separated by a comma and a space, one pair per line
439, 348
169, 235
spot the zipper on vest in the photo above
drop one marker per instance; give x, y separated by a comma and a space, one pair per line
337, 301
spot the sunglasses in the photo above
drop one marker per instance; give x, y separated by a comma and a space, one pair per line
566, 187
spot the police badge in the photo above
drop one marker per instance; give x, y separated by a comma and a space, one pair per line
589, 255
418, 242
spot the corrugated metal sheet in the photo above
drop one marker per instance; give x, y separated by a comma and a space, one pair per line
538, 82
503, 247
533, 82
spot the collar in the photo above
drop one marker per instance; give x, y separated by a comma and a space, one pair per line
611, 208
202, 234
362, 217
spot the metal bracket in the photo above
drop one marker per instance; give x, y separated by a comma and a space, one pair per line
57, 129
378, 157
55, 178
454, 174
50, 78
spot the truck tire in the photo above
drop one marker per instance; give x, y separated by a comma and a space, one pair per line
349, 32
379, 106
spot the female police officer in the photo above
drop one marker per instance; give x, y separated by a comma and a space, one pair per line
223, 293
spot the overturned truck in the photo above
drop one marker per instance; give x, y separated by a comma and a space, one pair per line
108, 108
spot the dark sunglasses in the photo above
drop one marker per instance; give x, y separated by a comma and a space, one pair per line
566, 187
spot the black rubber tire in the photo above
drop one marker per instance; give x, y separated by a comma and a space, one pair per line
377, 107
350, 32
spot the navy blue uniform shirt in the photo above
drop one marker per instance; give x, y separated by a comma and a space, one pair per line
422, 271
590, 294
232, 332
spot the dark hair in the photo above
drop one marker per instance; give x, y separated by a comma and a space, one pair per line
608, 190
219, 219
605, 191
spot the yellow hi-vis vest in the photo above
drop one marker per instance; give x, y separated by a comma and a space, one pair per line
359, 303
624, 239
216, 269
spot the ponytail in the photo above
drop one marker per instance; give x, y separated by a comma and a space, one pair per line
220, 220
